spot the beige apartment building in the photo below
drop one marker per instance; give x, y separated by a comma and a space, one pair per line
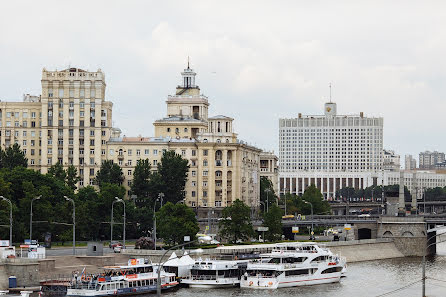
222, 168
71, 123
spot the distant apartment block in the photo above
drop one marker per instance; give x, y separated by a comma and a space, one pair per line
410, 163
391, 161
428, 160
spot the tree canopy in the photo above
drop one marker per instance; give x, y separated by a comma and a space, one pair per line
68, 176
174, 221
110, 173
141, 179
267, 194
13, 157
236, 222
273, 220
296, 204
173, 170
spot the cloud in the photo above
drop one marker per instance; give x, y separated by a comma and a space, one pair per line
256, 60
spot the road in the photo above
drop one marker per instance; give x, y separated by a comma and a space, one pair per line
65, 251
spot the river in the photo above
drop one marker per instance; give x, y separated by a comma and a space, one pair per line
364, 279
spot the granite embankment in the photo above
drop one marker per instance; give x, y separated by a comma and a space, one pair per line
354, 251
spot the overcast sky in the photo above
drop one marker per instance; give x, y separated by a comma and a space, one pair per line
257, 61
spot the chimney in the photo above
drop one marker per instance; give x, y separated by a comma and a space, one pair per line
361, 114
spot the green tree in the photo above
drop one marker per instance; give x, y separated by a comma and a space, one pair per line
267, 194
173, 170
174, 221
313, 195
57, 172
71, 177
13, 157
110, 173
236, 222
141, 179
156, 186
273, 220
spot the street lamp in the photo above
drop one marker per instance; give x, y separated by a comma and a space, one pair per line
267, 198
312, 230
31, 217
10, 219
263, 203
161, 263
74, 224
123, 203
160, 198
423, 288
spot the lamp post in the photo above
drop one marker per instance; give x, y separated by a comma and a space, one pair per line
10, 219
31, 217
161, 263
267, 199
160, 198
111, 224
423, 288
263, 203
123, 203
74, 223
312, 230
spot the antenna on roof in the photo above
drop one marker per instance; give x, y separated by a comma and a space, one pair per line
330, 91
188, 62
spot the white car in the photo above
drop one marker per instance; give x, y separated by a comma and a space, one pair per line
117, 249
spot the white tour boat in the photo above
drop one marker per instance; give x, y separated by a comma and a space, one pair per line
291, 265
215, 273
138, 277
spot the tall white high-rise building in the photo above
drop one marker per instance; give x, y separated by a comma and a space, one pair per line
331, 151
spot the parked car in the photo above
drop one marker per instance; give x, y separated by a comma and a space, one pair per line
113, 244
117, 249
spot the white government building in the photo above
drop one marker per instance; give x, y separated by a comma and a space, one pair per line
335, 151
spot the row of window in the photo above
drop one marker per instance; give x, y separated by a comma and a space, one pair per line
61, 93
16, 114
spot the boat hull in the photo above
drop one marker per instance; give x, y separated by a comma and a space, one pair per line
210, 283
275, 283
119, 292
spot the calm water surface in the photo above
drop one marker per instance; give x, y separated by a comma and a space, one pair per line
364, 279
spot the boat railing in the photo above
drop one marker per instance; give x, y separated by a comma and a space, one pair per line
203, 277
84, 286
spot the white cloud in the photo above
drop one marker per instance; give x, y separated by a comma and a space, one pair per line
256, 60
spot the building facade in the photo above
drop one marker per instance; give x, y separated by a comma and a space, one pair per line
71, 123
410, 162
391, 161
428, 160
331, 151
222, 167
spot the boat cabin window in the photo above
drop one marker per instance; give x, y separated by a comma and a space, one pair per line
332, 270
228, 273
297, 272
266, 273
288, 260
320, 258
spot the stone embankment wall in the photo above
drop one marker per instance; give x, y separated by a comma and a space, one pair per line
354, 251
365, 250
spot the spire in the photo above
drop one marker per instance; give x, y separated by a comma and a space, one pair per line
330, 91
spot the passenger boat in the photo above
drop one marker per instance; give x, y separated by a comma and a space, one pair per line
138, 277
215, 273
291, 265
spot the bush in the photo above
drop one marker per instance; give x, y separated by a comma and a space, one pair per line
144, 243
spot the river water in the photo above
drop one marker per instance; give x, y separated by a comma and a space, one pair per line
364, 279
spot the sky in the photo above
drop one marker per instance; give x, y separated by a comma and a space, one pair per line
257, 61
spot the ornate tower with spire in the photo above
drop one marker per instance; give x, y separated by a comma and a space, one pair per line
187, 110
